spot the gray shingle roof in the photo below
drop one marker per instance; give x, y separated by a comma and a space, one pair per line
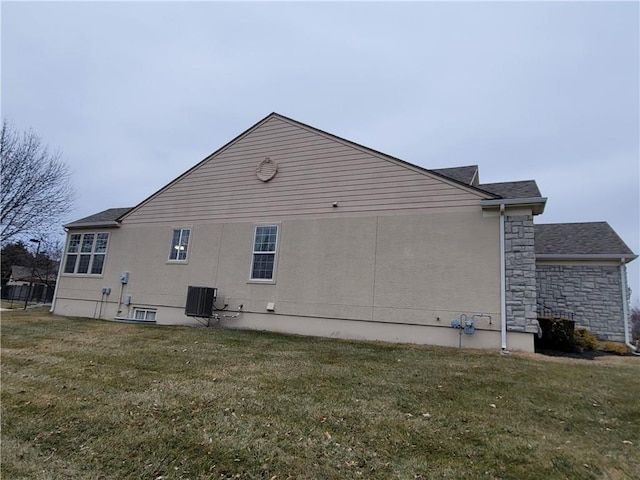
522, 189
591, 238
20, 273
105, 218
509, 190
461, 174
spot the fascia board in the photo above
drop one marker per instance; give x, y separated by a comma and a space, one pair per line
199, 164
110, 223
586, 256
534, 202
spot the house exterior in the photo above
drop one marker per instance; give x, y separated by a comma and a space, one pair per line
25, 282
581, 268
21, 275
301, 231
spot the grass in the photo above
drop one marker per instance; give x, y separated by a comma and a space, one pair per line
88, 399
15, 304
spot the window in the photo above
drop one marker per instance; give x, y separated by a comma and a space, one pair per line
179, 244
85, 253
264, 252
144, 314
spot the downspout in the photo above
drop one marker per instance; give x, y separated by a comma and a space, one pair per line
625, 310
55, 290
503, 286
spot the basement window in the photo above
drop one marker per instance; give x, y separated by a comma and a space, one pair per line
264, 252
86, 253
144, 313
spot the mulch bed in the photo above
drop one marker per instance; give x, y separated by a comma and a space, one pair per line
586, 355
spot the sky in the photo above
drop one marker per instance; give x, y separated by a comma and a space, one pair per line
135, 93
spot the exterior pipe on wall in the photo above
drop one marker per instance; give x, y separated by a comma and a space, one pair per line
60, 266
625, 309
503, 286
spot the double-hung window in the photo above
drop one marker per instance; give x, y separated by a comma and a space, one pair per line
86, 253
179, 244
264, 252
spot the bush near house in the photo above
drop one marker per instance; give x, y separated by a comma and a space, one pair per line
635, 324
585, 340
560, 335
557, 334
614, 347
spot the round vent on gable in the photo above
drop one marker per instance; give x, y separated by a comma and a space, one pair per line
267, 169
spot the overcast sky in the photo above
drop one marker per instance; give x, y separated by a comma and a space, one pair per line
135, 93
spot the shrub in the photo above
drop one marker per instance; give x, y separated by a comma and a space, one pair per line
557, 334
584, 339
613, 347
635, 324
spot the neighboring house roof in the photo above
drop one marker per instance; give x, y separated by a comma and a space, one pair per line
522, 189
20, 273
467, 174
106, 218
580, 240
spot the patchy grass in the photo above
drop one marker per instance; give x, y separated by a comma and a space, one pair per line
86, 399
16, 304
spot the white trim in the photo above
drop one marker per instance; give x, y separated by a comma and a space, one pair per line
92, 254
55, 290
146, 311
108, 223
538, 202
625, 309
587, 256
273, 252
503, 285
172, 246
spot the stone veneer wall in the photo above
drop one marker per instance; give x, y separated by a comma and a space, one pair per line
520, 273
592, 293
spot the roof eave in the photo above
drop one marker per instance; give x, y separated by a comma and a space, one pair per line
537, 204
110, 223
623, 257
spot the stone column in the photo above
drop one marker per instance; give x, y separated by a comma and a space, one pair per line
520, 273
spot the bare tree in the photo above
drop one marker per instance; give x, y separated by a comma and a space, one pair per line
36, 185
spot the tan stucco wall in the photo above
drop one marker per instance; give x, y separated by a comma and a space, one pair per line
372, 273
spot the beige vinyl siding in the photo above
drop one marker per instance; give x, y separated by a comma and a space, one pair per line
314, 170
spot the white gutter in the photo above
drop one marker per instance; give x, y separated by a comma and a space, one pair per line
585, 256
625, 310
55, 290
106, 223
537, 203
503, 286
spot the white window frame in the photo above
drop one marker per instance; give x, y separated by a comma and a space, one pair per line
257, 253
146, 313
181, 248
86, 252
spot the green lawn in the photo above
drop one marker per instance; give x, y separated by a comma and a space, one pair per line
88, 399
